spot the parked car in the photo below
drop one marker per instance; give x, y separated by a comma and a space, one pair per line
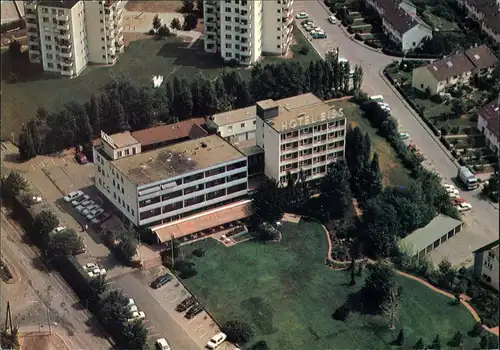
216, 340
81, 158
89, 208
186, 304
130, 302
161, 281
302, 15
449, 187
404, 136
58, 229
307, 21
377, 98
100, 218
319, 35
464, 206
84, 205
80, 200
454, 194
162, 344
73, 195
137, 316
94, 213
195, 310
457, 201
332, 19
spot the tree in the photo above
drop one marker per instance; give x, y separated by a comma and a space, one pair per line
379, 285
371, 184
156, 22
188, 6
266, 202
113, 310
95, 113
15, 49
400, 340
13, 185
419, 345
457, 339
357, 78
224, 102
436, 343
36, 137
477, 329
357, 150
133, 336
199, 6
176, 24
44, 223
27, 149
182, 101
237, 331
243, 98
127, 245
336, 196
64, 243
117, 117
164, 31
392, 305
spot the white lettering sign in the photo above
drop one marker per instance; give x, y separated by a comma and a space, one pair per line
306, 120
107, 138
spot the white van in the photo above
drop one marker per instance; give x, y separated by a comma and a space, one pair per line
162, 344
216, 340
377, 98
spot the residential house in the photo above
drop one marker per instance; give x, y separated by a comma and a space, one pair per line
488, 122
486, 13
486, 264
452, 70
401, 23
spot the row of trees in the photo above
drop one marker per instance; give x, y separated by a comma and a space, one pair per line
121, 105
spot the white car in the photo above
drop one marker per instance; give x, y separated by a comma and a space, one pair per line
87, 208
216, 340
58, 229
464, 206
84, 205
162, 344
454, 194
94, 213
130, 302
80, 200
332, 20
404, 135
73, 195
449, 187
137, 315
90, 266
134, 308
302, 15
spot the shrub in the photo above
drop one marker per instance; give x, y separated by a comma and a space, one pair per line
437, 98
260, 345
151, 32
445, 130
237, 331
358, 37
304, 49
476, 330
200, 252
373, 43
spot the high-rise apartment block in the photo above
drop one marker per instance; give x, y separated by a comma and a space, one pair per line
243, 30
65, 36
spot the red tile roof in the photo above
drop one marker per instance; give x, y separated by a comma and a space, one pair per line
189, 128
491, 113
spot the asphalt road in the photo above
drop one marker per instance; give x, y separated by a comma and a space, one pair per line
485, 221
157, 318
68, 318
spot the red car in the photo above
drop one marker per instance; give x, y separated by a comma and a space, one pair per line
81, 158
457, 201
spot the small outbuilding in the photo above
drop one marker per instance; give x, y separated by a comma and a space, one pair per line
424, 240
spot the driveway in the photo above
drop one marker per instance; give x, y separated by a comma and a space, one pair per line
484, 224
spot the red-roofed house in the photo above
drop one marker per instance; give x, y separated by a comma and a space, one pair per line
488, 123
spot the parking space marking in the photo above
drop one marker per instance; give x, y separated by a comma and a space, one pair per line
33, 167
191, 321
150, 327
52, 159
203, 335
153, 335
64, 159
169, 294
173, 301
194, 330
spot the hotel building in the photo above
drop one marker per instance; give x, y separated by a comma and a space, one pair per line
174, 178
243, 30
65, 36
300, 134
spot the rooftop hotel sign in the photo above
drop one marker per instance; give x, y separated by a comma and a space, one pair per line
303, 120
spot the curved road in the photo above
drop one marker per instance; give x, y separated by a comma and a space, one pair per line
484, 220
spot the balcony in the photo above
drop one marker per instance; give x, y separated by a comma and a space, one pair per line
33, 40
119, 37
66, 54
67, 73
110, 32
33, 32
62, 18
65, 44
30, 14
30, 5
119, 45
63, 26
34, 49
67, 63
66, 36
118, 13
31, 24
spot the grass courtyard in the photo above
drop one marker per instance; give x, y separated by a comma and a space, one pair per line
287, 294
141, 60
395, 174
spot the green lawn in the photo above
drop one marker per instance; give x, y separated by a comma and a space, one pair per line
394, 172
440, 23
141, 60
287, 294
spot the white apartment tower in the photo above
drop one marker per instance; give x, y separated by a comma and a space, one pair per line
243, 30
66, 35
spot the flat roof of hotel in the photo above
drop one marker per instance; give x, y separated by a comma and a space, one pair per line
123, 139
248, 147
292, 108
234, 116
177, 159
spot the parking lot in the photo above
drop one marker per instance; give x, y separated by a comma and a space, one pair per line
159, 306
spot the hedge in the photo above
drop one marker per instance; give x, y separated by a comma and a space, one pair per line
18, 24
360, 29
409, 54
445, 142
358, 37
373, 43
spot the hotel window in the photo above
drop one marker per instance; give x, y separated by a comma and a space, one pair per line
242, 125
171, 195
193, 189
215, 171
236, 165
127, 152
192, 178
